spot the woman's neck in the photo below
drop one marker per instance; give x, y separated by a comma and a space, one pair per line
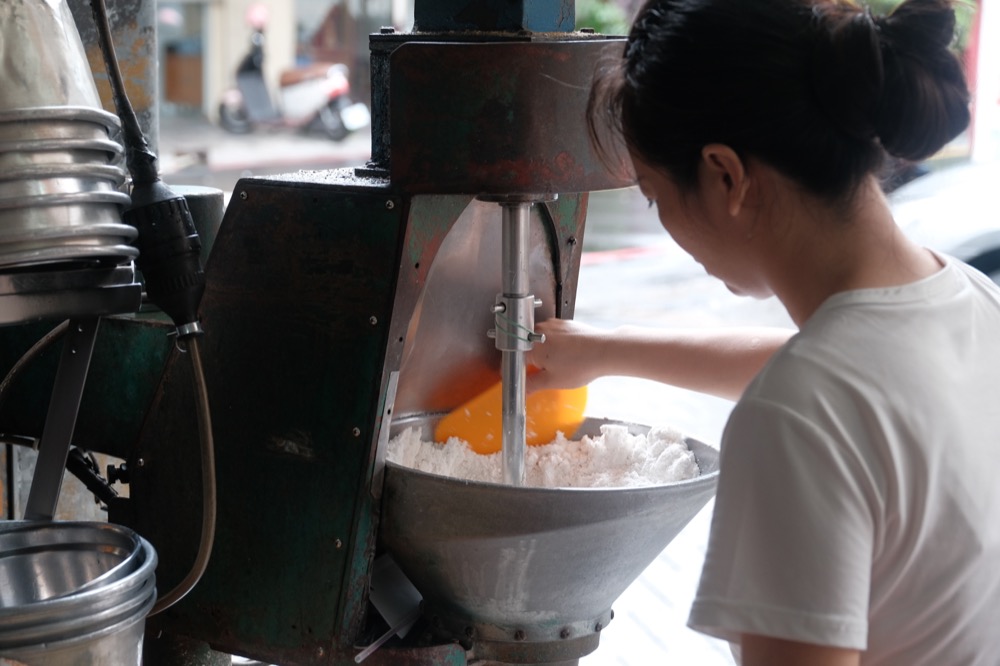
820, 250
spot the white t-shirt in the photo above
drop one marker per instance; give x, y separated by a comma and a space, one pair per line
859, 493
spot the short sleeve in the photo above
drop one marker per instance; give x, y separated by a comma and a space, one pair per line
791, 542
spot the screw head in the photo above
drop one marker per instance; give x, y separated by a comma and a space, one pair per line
356, 432
390, 204
519, 635
565, 633
373, 320
243, 195
338, 544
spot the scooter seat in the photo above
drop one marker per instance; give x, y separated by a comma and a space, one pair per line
316, 70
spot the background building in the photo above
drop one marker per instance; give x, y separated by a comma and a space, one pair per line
201, 42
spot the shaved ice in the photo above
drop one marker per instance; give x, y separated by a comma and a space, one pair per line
613, 459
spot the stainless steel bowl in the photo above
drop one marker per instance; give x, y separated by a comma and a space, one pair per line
528, 575
82, 594
41, 561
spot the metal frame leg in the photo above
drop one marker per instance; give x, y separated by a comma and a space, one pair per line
60, 421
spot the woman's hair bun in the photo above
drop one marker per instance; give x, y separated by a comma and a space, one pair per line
893, 78
846, 68
925, 100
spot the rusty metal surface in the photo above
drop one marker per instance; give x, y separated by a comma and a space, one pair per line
297, 310
535, 15
495, 117
437, 655
133, 23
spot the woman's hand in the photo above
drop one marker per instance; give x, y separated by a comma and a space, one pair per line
569, 357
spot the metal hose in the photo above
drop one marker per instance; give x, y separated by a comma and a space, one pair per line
208, 512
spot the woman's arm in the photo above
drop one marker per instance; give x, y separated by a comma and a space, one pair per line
718, 362
764, 651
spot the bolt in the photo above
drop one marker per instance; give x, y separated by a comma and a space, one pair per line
356, 432
565, 633
140, 463
243, 195
390, 204
338, 544
519, 635
373, 320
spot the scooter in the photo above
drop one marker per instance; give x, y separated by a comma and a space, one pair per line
314, 96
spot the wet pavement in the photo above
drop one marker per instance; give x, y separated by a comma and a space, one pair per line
632, 273
193, 151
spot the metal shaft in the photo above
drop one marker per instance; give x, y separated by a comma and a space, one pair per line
517, 321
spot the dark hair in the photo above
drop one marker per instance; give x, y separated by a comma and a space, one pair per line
818, 89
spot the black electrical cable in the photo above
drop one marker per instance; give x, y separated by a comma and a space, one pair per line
140, 159
42, 344
170, 261
84, 469
555, 255
168, 242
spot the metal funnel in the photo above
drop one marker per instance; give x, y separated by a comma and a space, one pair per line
528, 575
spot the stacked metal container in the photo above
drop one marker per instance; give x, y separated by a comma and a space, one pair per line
61, 179
73, 593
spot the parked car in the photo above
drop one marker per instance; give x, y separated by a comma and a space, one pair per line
956, 210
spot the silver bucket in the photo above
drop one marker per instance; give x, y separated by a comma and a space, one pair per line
82, 595
528, 575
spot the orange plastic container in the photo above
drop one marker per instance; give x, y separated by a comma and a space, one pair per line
480, 420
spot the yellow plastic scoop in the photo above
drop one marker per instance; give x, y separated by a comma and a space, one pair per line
480, 420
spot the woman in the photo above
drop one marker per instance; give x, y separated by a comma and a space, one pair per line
857, 519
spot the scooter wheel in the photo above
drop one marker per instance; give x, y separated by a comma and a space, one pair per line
332, 122
234, 118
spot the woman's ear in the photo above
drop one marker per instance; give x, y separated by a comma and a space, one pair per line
725, 171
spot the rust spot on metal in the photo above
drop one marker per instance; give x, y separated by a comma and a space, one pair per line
297, 444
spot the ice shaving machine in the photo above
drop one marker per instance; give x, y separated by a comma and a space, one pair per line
343, 305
